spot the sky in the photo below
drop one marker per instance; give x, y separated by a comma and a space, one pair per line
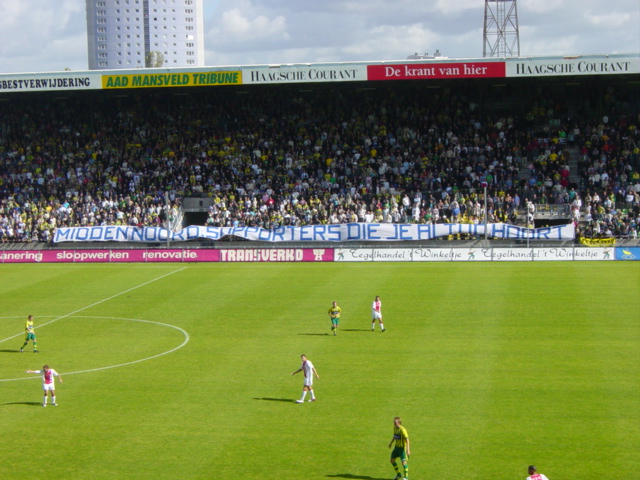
50, 35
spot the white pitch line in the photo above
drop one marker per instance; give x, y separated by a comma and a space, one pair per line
184, 332
98, 302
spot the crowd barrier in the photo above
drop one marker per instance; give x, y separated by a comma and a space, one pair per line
343, 254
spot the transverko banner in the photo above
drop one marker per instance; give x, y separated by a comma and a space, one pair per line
350, 232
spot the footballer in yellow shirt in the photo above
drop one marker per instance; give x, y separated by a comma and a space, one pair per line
401, 450
29, 335
334, 314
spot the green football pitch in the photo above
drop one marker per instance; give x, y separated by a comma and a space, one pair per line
183, 371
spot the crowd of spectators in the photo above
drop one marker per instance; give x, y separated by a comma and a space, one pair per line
610, 179
275, 157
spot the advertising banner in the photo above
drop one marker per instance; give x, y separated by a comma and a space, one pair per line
46, 82
426, 71
276, 255
627, 253
512, 254
151, 80
553, 254
573, 66
304, 73
498, 254
438, 254
376, 232
109, 256
354, 255
169, 255
422, 254
585, 254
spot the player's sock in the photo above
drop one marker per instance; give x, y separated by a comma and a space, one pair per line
373, 325
44, 400
313, 397
53, 400
406, 471
395, 466
382, 326
304, 394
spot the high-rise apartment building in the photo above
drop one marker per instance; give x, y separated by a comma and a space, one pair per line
123, 33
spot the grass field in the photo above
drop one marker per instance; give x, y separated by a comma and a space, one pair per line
183, 371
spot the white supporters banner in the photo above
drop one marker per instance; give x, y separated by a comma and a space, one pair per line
350, 232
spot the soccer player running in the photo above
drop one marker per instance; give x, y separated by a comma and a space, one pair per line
402, 449
48, 383
309, 371
376, 314
334, 314
29, 335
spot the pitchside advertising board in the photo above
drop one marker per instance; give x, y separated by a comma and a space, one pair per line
433, 69
477, 254
453, 254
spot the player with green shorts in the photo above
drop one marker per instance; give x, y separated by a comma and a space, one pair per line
334, 314
29, 335
401, 449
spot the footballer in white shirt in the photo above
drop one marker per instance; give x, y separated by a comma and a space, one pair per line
309, 371
48, 383
376, 314
535, 476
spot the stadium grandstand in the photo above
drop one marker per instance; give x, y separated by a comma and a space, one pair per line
532, 142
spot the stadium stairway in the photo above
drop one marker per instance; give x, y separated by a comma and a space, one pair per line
574, 172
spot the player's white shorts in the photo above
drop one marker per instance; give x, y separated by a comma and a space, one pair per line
48, 387
375, 315
308, 381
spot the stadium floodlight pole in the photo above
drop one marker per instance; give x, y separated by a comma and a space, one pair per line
486, 236
501, 31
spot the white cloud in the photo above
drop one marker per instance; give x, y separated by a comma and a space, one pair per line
544, 6
385, 42
450, 7
236, 26
614, 21
42, 35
